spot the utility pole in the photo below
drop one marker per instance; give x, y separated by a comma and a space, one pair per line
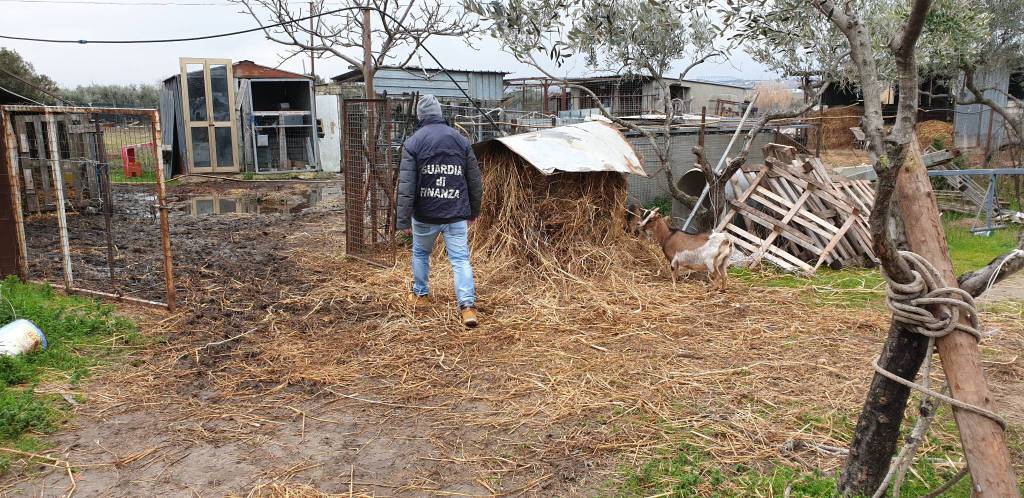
367, 55
312, 53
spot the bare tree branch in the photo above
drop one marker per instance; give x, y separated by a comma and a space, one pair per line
400, 25
977, 282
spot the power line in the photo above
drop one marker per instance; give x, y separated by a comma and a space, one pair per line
122, 4
15, 76
193, 38
21, 96
263, 28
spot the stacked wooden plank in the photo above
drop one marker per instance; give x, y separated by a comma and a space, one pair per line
791, 213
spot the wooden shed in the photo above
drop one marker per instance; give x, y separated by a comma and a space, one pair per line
263, 121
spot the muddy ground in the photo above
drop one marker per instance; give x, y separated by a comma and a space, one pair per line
290, 368
220, 227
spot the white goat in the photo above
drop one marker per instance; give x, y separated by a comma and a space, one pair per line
705, 252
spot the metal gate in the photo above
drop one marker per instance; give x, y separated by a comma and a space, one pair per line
89, 200
374, 131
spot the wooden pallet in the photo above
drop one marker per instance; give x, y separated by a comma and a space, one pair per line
790, 213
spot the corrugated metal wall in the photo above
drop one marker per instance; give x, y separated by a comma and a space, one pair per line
480, 86
487, 86
973, 122
646, 190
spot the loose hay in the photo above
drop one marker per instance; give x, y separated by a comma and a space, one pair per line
562, 220
835, 127
567, 382
935, 132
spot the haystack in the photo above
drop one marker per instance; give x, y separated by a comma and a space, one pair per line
555, 197
835, 129
935, 132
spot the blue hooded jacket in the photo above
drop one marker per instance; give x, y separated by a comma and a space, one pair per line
439, 178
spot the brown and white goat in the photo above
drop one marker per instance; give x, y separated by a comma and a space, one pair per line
704, 252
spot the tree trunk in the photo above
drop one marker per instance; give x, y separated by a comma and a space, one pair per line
878, 428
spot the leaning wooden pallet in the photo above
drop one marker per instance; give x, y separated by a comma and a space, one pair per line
790, 213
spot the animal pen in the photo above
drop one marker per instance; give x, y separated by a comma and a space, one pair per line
220, 117
78, 175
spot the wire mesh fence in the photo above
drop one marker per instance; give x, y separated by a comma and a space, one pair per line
284, 142
374, 131
89, 183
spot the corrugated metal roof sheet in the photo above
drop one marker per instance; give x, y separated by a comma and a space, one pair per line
251, 70
587, 147
356, 74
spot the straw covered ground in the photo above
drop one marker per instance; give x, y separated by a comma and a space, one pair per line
311, 375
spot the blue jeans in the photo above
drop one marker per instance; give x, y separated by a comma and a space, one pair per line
456, 242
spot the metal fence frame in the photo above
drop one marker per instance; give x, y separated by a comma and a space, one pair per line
49, 114
370, 169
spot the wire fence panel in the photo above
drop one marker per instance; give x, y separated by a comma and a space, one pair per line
284, 142
83, 174
374, 131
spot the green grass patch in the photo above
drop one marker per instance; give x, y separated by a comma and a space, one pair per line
686, 471
853, 287
864, 287
663, 203
117, 176
970, 252
81, 333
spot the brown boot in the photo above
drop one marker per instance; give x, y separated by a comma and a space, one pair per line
417, 300
469, 317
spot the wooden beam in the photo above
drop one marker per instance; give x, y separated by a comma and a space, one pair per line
983, 439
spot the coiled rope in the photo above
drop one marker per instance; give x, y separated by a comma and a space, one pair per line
909, 302
909, 305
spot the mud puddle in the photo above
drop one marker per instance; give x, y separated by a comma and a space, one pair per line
256, 202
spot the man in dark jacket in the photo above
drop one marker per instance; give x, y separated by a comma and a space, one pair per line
439, 190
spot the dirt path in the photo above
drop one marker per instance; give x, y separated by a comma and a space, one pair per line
291, 369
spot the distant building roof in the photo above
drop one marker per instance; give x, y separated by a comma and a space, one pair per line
251, 70
356, 74
614, 77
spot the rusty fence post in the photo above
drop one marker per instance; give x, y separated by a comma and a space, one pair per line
165, 226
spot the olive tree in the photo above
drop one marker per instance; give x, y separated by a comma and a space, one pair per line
881, 43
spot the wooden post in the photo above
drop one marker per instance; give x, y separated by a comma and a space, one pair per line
877, 431
367, 55
312, 53
14, 171
703, 118
58, 191
165, 227
821, 128
983, 440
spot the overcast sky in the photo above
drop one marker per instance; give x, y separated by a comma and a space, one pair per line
72, 65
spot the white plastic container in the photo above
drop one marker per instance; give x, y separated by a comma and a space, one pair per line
20, 336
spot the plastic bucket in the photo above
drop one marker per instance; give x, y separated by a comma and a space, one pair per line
20, 336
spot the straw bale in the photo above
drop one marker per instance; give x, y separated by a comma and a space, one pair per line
836, 124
